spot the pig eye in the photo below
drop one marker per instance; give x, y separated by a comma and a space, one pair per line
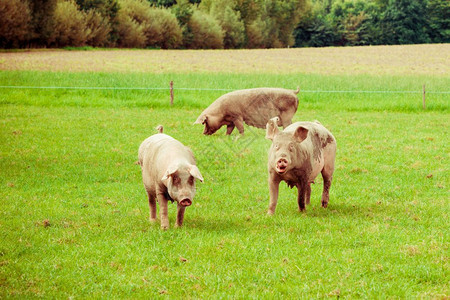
276, 146
176, 180
291, 148
191, 180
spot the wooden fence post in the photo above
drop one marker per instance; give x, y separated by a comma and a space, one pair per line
423, 97
171, 92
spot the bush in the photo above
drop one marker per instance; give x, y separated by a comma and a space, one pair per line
230, 20
171, 36
130, 33
141, 25
206, 32
101, 13
70, 25
15, 18
256, 36
98, 29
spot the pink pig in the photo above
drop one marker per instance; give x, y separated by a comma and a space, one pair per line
297, 155
253, 107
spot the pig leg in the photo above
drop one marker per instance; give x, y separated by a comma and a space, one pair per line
301, 187
326, 188
152, 204
239, 123
308, 193
163, 210
327, 175
180, 215
230, 129
274, 185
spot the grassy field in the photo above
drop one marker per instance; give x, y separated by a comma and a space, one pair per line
74, 215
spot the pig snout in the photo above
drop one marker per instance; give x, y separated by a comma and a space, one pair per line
186, 202
282, 165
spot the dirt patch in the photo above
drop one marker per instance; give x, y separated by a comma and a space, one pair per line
382, 60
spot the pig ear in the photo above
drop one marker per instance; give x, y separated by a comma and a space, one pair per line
201, 120
300, 134
170, 170
195, 172
272, 128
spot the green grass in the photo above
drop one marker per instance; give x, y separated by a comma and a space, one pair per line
74, 215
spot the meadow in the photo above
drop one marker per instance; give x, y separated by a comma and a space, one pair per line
74, 213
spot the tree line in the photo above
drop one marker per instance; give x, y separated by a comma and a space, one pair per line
216, 24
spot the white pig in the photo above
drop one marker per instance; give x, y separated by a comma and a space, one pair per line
297, 155
168, 173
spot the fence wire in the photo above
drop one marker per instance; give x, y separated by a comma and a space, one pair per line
211, 89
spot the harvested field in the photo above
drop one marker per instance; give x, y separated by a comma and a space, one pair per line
375, 60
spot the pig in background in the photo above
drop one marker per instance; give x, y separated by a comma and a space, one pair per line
255, 107
168, 173
297, 155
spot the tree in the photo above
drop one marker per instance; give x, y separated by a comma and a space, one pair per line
42, 22
170, 32
438, 16
206, 32
315, 29
98, 29
15, 18
141, 25
274, 23
108, 9
169, 3
404, 22
229, 19
70, 25
162, 3
354, 22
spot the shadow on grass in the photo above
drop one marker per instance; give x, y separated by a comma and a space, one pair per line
334, 210
285, 214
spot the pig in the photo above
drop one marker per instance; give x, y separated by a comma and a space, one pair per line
252, 106
296, 156
169, 173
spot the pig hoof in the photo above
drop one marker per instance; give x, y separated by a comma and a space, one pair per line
152, 220
270, 213
164, 227
324, 205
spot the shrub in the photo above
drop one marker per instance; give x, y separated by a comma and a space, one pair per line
141, 25
108, 10
15, 18
230, 20
70, 25
206, 32
171, 35
256, 36
98, 29
130, 29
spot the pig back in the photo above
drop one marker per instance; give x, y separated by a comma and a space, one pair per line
318, 136
255, 106
157, 152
